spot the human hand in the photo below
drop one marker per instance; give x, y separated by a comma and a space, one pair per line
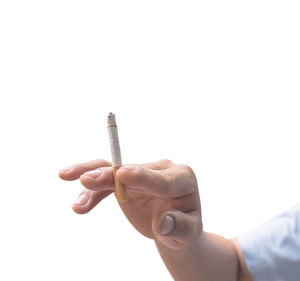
163, 199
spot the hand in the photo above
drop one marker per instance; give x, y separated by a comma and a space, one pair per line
163, 199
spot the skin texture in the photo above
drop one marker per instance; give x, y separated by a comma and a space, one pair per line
243, 272
157, 190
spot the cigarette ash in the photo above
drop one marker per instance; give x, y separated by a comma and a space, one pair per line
111, 119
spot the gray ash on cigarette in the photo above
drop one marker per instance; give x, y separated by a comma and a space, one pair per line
111, 119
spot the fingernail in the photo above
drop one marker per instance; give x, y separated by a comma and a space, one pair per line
129, 168
93, 174
167, 225
82, 199
67, 168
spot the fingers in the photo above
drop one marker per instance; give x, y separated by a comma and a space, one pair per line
142, 179
161, 178
176, 229
102, 178
88, 199
73, 172
176, 181
99, 179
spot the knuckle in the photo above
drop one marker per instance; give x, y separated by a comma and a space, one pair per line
166, 162
138, 172
79, 211
168, 177
187, 168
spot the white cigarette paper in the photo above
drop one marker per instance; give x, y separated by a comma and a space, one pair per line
114, 140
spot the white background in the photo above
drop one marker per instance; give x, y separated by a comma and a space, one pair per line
213, 84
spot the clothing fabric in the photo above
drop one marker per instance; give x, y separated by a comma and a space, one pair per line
272, 250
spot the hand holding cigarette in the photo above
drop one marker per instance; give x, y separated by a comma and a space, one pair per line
162, 197
161, 200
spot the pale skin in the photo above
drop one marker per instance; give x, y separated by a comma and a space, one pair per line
164, 205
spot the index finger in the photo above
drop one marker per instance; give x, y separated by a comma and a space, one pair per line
177, 181
75, 171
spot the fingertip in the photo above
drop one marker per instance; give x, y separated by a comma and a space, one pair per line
88, 182
68, 177
177, 229
158, 222
81, 204
167, 225
79, 210
83, 179
99, 179
68, 173
163, 226
62, 175
87, 200
93, 175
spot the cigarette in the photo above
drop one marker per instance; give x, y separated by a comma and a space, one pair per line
120, 192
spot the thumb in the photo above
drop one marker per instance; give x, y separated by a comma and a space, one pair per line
176, 229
